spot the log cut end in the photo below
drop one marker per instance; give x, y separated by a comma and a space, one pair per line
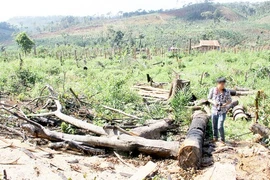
188, 157
190, 152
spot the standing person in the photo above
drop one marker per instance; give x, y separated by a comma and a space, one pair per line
219, 97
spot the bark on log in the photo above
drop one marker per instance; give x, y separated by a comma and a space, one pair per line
240, 93
233, 104
122, 142
239, 113
190, 153
153, 131
261, 130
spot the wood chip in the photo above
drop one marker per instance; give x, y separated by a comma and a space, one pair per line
144, 171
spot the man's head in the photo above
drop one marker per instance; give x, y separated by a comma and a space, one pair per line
221, 81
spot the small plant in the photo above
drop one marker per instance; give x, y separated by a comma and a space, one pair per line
67, 128
178, 104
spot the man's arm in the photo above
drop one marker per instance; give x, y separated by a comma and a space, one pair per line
228, 100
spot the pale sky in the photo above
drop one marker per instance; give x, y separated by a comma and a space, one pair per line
13, 8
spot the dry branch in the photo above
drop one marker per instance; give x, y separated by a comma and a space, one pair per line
71, 120
121, 112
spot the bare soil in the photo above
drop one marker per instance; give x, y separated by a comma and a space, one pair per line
27, 160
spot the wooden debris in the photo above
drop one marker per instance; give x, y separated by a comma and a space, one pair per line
261, 130
69, 119
121, 112
122, 160
153, 131
144, 171
13, 131
122, 142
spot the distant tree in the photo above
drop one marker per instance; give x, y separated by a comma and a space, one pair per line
25, 43
216, 15
118, 38
141, 36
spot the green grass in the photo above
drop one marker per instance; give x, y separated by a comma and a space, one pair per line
112, 84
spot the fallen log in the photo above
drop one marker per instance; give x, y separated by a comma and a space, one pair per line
150, 88
163, 96
157, 148
154, 130
261, 130
122, 142
239, 113
240, 93
71, 145
190, 153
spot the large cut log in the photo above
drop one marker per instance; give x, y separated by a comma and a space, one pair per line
154, 130
190, 153
239, 113
122, 142
261, 130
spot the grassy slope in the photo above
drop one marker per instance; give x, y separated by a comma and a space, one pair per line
113, 83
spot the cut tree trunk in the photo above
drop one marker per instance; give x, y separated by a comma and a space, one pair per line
190, 153
122, 142
177, 84
261, 130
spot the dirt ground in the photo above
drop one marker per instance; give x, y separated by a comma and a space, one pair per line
27, 161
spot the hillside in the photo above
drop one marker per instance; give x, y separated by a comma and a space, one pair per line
232, 24
6, 31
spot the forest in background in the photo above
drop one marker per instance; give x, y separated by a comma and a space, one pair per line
233, 24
